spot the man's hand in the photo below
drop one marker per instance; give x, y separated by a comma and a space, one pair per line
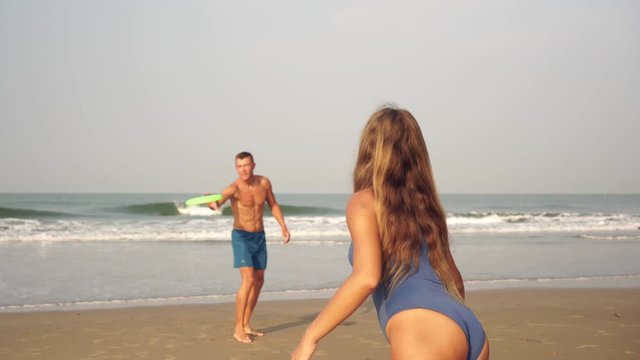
286, 236
214, 206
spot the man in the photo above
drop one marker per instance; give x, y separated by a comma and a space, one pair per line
248, 194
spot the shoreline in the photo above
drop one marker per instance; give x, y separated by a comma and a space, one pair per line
592, 282
532, 323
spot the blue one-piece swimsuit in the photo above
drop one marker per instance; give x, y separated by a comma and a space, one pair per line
424, 290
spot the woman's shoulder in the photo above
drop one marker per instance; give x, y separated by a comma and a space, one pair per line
361, 201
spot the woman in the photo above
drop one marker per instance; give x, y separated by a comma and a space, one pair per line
400, 252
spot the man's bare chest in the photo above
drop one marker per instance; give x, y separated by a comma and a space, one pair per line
251, 198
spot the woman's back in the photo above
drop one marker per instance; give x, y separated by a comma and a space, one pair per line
396, 219
422, 289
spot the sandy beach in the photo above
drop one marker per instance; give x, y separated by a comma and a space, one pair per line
521, 324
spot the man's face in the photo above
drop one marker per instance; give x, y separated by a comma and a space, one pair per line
245, 167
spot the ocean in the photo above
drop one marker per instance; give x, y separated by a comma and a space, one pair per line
68, 251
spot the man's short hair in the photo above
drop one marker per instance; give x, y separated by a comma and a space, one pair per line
243, 155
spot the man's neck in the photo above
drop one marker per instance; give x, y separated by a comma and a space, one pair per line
249, 182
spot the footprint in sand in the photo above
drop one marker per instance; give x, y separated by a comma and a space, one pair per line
547, 324
113, 333
176, 344
541, 341
603, 333
367, 341
628, 326
97, 354
40, 349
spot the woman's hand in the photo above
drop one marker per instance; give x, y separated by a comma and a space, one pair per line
305, 349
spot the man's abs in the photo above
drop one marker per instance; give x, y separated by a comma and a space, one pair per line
248, 219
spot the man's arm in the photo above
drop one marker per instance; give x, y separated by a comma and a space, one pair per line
226, 194
275, 209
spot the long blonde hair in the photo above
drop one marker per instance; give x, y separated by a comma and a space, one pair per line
393, 160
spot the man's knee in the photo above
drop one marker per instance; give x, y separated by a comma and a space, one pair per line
247, 277
258, 278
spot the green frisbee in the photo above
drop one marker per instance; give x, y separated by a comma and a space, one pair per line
205, 199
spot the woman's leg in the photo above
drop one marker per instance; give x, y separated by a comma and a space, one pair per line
484, 355
425, 334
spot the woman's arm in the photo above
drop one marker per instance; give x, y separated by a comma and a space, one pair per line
457, 277
367, 268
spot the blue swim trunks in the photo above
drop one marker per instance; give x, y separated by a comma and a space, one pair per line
249, 249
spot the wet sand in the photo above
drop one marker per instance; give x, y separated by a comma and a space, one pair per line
521, 324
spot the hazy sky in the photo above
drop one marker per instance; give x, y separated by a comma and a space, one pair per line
535, 96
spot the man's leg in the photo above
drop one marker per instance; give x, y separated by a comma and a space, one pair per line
258, 281
242, 300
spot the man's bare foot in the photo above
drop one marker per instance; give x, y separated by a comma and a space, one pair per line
254, 332
243, 338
